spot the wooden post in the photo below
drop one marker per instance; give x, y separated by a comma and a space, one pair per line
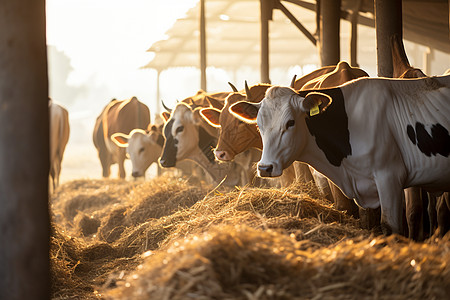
329, 46
354, 35
388, 21
24, 151
266, 13
202, 46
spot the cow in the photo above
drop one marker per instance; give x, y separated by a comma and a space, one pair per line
117, 116
187, 137
372, 137
59, 136
416, 199
144, 147
236, 137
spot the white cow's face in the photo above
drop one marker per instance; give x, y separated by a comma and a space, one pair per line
184, 132
281, 120
143, 149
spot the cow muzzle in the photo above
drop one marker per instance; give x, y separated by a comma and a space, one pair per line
268, 170
222, 155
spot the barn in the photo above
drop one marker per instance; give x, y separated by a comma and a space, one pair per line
172, 238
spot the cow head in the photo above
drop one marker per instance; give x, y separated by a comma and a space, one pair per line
143, 148
235, 136
281, 120
184, 135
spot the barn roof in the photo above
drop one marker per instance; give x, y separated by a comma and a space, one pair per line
233, 33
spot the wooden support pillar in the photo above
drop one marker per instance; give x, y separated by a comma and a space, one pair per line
202, 46
354, 34
388, 21
329, 46
24, 152
266, 15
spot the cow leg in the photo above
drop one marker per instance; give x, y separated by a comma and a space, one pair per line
414, 208
121, 163
443, 213
391, 197
342, 202
432, 212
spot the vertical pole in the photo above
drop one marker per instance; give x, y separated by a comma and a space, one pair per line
24, 151
388, 21
202, 46
265, 17
329, 46
354, 35
158, 92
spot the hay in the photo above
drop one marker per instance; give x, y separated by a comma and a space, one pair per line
242, 243
244, 263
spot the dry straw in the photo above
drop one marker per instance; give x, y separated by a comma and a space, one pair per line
168, 239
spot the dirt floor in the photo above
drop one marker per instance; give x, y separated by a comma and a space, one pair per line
169, 238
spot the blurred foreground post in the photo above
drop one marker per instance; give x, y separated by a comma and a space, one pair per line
24, 151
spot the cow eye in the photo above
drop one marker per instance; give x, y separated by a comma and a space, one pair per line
179, 129
141, 150
290, 123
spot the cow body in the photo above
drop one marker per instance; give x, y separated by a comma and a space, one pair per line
118, 116
59, 136
372, 137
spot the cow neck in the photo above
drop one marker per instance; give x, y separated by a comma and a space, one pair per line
206, 158
330, 129
214, 169
206, 143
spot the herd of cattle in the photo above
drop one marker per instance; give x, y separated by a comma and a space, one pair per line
378, 142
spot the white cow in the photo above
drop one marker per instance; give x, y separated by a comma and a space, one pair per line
372, 137
143, 148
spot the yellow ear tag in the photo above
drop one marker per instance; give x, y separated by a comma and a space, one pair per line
314, 111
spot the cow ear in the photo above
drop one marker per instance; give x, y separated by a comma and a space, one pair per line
211, 115
315, 103
245, 111
120, 139
165, 115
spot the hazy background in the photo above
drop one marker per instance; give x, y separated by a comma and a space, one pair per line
96, 49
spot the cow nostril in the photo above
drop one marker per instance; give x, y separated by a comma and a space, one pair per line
267, 169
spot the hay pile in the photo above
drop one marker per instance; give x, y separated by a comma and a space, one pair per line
167, 239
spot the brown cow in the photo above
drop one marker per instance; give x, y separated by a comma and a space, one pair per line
59, 136
118, 116
237, 137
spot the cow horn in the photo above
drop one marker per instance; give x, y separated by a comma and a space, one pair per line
214, 102
165, 107
247, 91
293, 81
233, 87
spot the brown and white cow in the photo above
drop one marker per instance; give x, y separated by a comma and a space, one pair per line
143, 147
59, 136
118, 116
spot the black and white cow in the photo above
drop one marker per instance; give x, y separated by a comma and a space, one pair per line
372, 137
